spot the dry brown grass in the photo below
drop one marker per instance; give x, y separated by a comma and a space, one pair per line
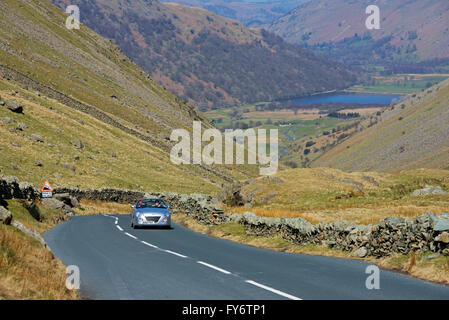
415, 265
91, 207
29, 271
325, 195
356, 215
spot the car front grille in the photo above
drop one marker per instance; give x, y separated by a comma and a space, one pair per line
153, 219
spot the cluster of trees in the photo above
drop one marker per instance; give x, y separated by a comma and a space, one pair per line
347, 115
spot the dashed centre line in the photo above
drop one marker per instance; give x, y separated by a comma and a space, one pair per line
278, 292
214, 267
254, 283
149, 244
130, 235
176, 254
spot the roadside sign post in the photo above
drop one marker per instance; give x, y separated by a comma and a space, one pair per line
46, 191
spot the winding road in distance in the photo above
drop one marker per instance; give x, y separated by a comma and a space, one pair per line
117, 262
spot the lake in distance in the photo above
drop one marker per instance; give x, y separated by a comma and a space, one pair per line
349, 97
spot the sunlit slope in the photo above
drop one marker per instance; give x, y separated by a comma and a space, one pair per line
109, 157
414, 134
37, 52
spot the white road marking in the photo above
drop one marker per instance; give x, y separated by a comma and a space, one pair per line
278, 292
214, 267
150, 245
130, 235
272, 290
176, 254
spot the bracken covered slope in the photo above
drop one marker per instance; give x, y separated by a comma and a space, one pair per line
206, 59
412, 134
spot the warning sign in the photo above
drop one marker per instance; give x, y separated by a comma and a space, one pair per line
47, 190
46, 186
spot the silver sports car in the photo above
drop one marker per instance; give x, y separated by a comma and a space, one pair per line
150, 212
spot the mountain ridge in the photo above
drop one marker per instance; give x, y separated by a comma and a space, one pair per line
208, 60
410, 30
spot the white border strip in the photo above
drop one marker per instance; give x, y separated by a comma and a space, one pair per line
214, 267
254, 283
120, 228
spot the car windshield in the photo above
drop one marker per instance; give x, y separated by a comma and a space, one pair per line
151, 203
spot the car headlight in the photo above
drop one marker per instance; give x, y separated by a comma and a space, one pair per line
139, 216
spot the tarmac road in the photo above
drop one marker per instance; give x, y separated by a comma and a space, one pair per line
117, 262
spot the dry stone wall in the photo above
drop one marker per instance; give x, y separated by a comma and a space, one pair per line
429, 232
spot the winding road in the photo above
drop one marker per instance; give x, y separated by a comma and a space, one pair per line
117, 262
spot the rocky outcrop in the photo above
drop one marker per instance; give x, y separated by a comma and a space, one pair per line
10, 188
14, 106
5, 216
428, 191
30, 232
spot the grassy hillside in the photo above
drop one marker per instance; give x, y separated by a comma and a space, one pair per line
209, 60
110, 157
126, 117
323, 194
412, 134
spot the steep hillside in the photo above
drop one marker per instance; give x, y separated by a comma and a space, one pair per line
412, 134
410, 30
250, 13
206, 59
91, 116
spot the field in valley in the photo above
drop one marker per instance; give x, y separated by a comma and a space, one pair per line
400, 83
